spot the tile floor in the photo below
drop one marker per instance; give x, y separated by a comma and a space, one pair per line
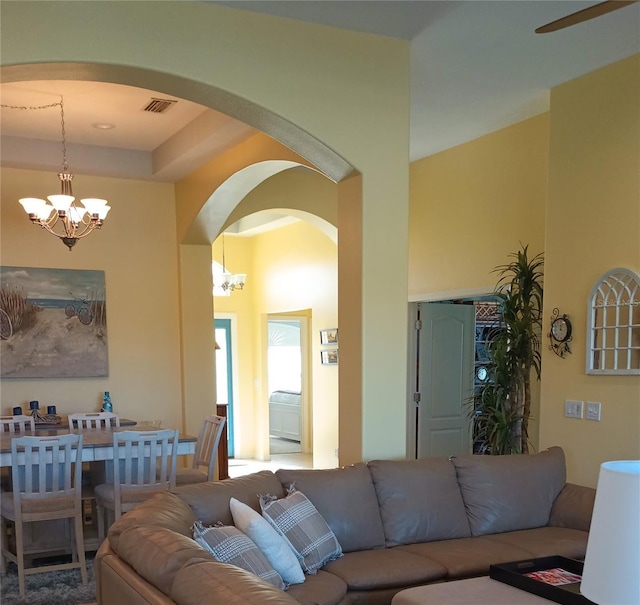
239, 467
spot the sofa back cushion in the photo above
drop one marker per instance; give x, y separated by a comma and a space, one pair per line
508, 493
210, 501
346, 499
419, 500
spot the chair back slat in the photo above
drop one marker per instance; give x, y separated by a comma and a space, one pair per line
93, 420
17, 424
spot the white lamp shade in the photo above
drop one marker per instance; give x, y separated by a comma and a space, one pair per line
611, 573
239, 279
44, 212
61, 202
32, 205
94, 205
102, 213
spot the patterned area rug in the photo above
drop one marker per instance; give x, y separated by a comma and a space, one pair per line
54, 588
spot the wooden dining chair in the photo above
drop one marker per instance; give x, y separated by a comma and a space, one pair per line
93, 420
206, 453
46, 486
144, 463
17, 424
13, 424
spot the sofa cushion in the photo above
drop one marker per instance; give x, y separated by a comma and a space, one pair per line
268, 540
228, 544
546, 541
419, 500
334, 492
466, 557
384, 568
508, 493
321, 588
573, 507
157, 553
212, 583
297, 520
210, 501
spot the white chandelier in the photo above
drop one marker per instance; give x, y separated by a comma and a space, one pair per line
63, 216
231, 281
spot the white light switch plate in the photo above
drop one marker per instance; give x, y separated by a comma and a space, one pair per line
573, 409
593, 410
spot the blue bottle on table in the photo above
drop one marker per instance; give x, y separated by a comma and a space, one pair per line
106, 402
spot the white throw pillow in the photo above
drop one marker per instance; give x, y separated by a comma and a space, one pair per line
267, 539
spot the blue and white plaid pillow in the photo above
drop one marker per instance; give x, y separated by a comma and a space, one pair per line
298, 521
228, 544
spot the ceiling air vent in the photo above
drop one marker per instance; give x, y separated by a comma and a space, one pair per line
159, 105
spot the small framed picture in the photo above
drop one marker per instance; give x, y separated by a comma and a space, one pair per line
329, 337
329, 357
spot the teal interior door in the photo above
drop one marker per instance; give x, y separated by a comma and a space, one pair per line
224, 374
445, 378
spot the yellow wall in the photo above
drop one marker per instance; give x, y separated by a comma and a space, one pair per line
593, 225
567, 183
293, 268
472, 205
142, 293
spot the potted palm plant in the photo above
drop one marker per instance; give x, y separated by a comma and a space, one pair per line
502, 405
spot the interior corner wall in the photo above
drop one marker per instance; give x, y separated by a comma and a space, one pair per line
141, 275
593, 225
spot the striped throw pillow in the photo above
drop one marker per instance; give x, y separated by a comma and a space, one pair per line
228, 544
298, 521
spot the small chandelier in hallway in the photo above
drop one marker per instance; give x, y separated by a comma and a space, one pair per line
231, 281
63, 216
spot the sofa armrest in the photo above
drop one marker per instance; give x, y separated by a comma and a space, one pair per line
117, 583
573, 507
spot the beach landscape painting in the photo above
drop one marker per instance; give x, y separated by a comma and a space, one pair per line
53, 323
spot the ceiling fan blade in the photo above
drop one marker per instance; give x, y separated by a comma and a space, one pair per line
584, 15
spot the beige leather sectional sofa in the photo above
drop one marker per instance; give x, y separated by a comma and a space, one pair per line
401, 523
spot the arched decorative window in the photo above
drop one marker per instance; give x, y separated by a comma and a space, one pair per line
613, 342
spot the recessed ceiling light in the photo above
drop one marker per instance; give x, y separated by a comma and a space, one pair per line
103, 126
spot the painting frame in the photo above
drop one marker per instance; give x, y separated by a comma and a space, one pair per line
329, 336
54, 323
329, 357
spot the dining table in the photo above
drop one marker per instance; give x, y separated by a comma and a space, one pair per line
97, 443
97, 452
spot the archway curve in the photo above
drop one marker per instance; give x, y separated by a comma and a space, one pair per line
277, 127
320, 223
215, 214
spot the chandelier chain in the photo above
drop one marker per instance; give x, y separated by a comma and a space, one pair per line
65, 163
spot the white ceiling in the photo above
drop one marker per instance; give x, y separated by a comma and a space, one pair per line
476, 66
